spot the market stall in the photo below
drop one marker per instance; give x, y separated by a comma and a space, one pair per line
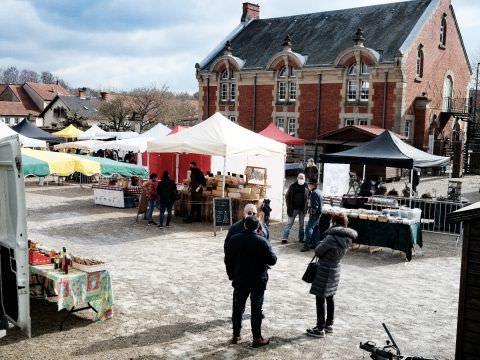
293, 160
95, 133
26, 128
83, 145
232, 148
25, 141
70, 132
73, 283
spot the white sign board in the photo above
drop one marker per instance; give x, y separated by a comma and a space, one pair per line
336, 179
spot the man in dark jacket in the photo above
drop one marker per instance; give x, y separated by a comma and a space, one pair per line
167, 192
314, 211
247, 257
296, 200
239, 226
197, 182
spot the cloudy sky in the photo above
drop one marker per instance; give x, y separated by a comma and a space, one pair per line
123, 44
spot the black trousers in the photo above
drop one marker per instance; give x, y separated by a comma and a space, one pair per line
195, 207
321, 322
240, 297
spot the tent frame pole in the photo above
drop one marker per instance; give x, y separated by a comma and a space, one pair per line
177, 161
148, 161
224, 170
363, 176
411, 186
283, 189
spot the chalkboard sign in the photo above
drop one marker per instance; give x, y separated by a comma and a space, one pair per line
222, 213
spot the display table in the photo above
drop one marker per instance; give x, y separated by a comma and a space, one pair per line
395, 236
114, 196
182, 206
75, 291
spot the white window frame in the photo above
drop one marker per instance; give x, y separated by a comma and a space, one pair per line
232, 118
291, 126
292, 91
282, 91
407, 130
228, 86
364, 90
280, 123
420, 63
358, 83
287, 84
233, 91
362, 122
349, 122
352, 90
224, 91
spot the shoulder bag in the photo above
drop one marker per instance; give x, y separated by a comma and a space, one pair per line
309, 274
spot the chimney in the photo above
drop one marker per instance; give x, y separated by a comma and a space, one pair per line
250, 12
103, 95
82, 92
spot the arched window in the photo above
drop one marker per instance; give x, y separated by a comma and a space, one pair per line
443, 31
358, 79
447, 94
228, 86
419, 71
287, 84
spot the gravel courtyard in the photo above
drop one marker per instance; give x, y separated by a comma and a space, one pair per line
173, 299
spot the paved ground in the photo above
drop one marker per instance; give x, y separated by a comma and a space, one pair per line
173, 299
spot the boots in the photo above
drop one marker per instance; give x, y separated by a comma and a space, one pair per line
260, 341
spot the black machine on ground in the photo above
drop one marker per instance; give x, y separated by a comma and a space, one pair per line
388, 352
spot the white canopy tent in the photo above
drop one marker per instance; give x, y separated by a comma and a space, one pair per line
5, 131
237, 147
85, 145
95, 133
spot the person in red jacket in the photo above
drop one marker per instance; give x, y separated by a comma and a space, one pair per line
151, 189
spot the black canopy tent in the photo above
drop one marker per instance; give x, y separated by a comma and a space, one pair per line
387, 150
26, 128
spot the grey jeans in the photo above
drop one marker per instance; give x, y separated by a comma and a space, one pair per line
301, 225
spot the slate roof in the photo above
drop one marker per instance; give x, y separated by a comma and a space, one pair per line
48, 91
84, 107
24, 107
322, 36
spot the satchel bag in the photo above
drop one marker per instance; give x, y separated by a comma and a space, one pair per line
309, 275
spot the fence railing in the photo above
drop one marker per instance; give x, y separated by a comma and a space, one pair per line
434, 212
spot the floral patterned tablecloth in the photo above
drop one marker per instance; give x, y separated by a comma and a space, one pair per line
75, 289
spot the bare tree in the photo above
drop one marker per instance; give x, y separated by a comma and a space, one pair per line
182, 110
47, 77
116, 114
28, 76
10, 75
149, 105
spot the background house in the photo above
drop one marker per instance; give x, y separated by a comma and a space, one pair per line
399, 66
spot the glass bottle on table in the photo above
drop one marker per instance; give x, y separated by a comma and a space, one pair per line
65, 261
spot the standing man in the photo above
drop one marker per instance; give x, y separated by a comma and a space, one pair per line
197, 182
151, 189
314, 211
296, 200
239, 226
247, 257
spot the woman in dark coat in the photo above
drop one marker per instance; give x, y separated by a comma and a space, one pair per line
330, 252
167, 192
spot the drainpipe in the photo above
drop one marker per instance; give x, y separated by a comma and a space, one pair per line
254, 107
208, 97
317, 125
385, 90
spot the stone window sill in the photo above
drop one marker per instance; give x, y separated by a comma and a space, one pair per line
442, 47
356, 103
286, 103
227, 102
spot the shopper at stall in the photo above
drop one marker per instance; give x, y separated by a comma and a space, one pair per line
247, 258
311, 170
330, 252
197, 181
296, 200
151, 189
239, 226
167, 193
314, 213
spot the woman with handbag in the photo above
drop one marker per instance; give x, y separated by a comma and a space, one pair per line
329, 252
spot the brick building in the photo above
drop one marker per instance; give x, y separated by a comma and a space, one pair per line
400, 66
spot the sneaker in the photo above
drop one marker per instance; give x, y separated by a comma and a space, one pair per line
151, 223
284, 241
316, 333
329, 329
160, 226
235, 339
168, 225
260, 341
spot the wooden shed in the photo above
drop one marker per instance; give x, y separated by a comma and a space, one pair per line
468, 325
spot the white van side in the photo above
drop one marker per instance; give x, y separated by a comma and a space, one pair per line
14, 268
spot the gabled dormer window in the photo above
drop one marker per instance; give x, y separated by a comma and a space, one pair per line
286, 84
358, 84
443, 31
228, 86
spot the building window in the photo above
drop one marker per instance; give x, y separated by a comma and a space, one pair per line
349, 122
352, 90
363, 122
2, 119
358, 79
420, 59
407, 131
286, 84
280, 123
443, 31
228, 86
292, 127
233, 119
355, 121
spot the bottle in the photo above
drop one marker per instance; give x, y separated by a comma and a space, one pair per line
65, 261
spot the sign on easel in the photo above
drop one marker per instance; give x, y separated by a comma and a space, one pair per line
222, 213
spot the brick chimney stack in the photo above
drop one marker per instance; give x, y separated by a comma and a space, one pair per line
250, 12
103, 95
82, 92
